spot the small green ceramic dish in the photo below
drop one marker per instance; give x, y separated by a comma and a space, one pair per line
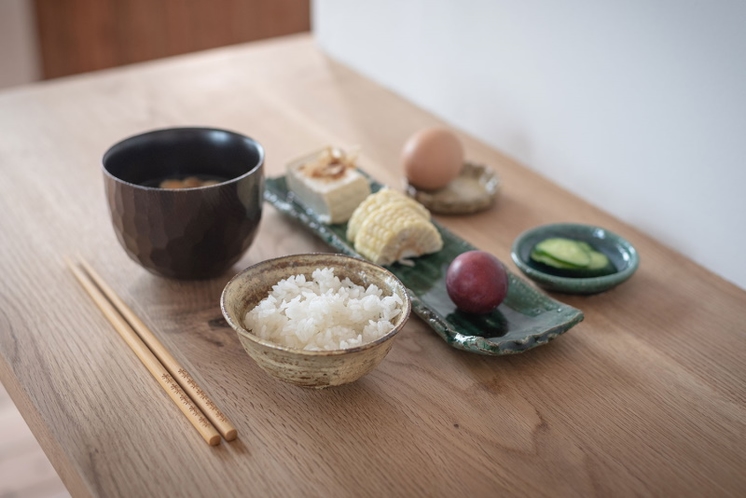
620, 252
526, 319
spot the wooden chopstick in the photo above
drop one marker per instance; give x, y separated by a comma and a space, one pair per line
218, 419
156, 369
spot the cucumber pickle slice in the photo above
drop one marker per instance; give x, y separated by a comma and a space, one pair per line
567, 251
548, 260
598, 261
572, 257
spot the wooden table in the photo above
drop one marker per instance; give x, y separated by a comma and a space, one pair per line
645, 397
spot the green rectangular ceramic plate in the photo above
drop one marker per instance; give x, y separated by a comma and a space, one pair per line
526, 318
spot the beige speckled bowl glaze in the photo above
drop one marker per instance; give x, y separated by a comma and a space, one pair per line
472, 191
316, 369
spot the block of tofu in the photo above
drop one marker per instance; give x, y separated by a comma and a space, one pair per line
329, 184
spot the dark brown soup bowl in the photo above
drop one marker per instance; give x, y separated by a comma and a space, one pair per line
189, 233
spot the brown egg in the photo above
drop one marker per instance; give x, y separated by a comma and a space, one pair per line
432, 158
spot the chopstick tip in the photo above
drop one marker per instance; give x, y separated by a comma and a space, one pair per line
230, 435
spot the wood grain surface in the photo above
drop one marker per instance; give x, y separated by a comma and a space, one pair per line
646, 397
77, 36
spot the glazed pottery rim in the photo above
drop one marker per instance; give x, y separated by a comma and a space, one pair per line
157, 131
240, 329
559, 282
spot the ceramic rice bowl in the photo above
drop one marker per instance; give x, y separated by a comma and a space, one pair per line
314, 369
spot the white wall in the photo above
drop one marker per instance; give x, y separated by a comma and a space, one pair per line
19, 56
638, 106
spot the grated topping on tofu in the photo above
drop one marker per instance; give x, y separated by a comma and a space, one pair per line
331, 164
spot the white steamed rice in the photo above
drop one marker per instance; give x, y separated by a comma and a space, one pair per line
323, 313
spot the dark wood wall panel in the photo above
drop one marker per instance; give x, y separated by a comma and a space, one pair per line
84, 35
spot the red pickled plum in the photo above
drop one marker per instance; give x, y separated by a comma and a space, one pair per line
477, 282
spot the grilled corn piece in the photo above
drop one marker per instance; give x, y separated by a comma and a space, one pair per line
374, 202
395, 232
